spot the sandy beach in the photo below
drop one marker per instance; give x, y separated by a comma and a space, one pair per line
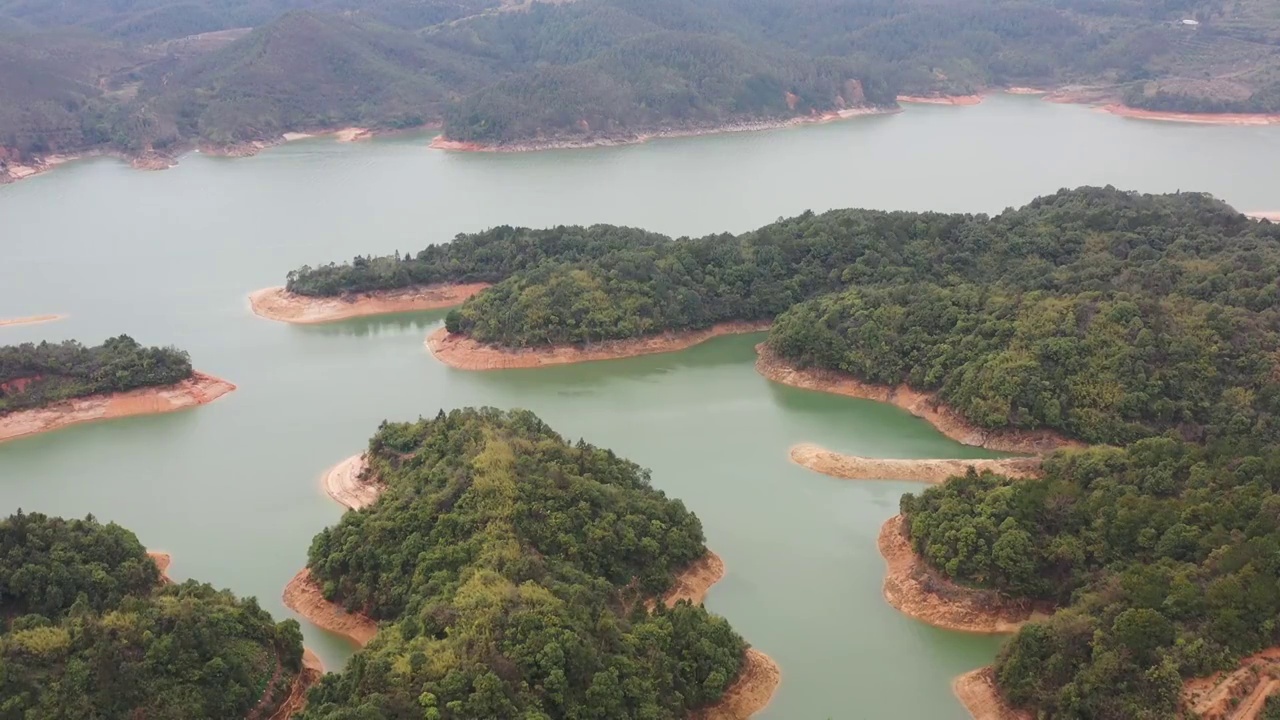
199, 389
940, 99
1198, 118
917, 590
303, 596
931, 470
921, 404
31, 320
344, 483
977, 691
572, 143
276, 303
463, 353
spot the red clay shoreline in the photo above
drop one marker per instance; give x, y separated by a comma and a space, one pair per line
928, 470
31, 320
463, 353
276, 303
199, 389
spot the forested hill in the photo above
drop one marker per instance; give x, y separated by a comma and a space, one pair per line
510, 568
38, 375
87, 629
156, 77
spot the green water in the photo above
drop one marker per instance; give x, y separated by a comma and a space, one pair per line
231, 489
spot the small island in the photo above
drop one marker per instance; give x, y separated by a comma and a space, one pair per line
474, 550
91, 622
49, 386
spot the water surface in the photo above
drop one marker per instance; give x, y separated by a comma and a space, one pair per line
232, 489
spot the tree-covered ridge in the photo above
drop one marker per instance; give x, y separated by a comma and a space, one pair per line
1165, 554
88, 631
511, 567
38, 375
146, 77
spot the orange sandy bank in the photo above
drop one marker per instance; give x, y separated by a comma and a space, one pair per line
921, 404
162, 560
198, 389
1199, 118
977, 691
312, 670
941, 99
463, 353
917, 590
854, 467
694, 581
757, 681
303, 596
276, 303
345, 483
31, 320
442, 143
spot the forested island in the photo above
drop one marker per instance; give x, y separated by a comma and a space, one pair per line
151, 79
1144, 324
511, 573
51, 385
89, 629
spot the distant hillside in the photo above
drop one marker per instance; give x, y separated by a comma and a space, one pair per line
157, 76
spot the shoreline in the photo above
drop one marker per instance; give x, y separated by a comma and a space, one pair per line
941, 99
923, 405
162, 560
199, 389
32, 320
1126, 111
917, 591
752, 691
927, 470
1271, 215
442, 143
976, 691
303, 596
463, 353
343, 483
276, 303
693, 582
311, 672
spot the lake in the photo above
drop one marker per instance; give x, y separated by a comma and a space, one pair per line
232, 489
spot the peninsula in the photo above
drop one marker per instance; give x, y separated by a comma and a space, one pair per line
459, 469
279, 304
48, 386
82, 599
929, 470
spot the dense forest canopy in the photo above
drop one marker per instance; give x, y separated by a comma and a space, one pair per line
38, 375
158, 76
510, 569
87, 630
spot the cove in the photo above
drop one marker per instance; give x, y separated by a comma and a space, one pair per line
232, 489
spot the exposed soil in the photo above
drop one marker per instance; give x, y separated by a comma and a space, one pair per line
757, 681
1272, 215
917, 590
162, 560
921, 404
1025, 91
303, 596
1239, 694
977, 691
854, 467
1200, 118
312, 670
352, 134
348, 484
276, 303
463, 353
198, 389
31, 320
574, 143
940, 99
694, 581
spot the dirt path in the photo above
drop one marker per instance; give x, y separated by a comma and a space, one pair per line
977, 691
276, 303
854, 467
31, 320
921, 404
345, 484
1237, 694
199, 389
312, 670
463, 353
304, 597
915, 589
